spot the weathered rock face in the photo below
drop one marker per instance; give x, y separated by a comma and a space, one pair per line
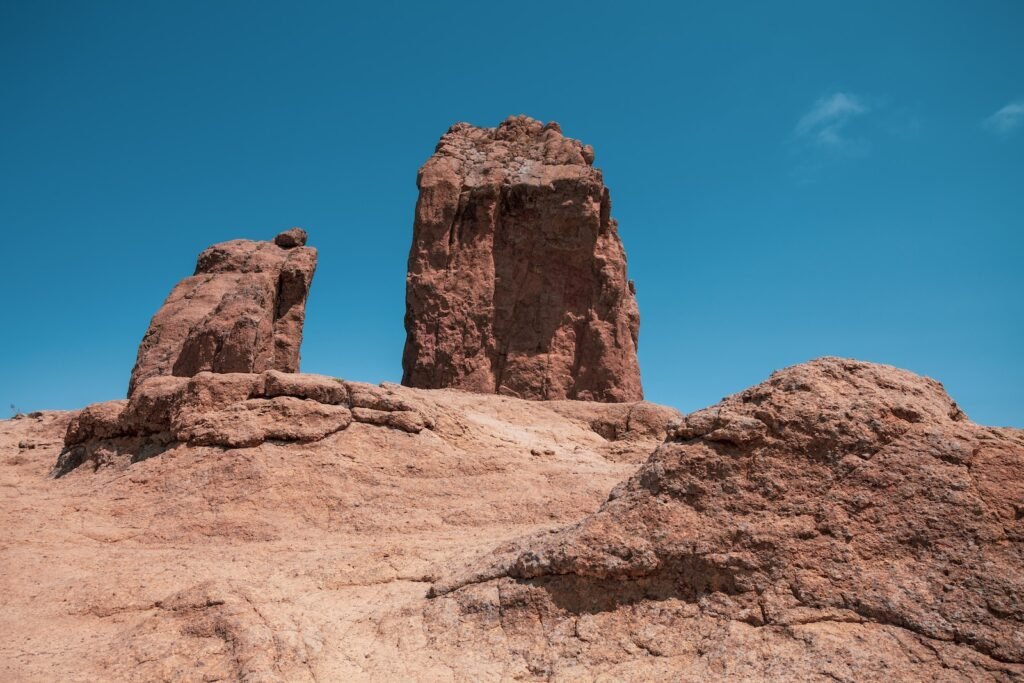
517, 278
229, 410
846, 517
841, 521
293, 560
246, 410
242, 311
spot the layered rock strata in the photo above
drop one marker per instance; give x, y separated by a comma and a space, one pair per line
242, 311
517, 278
229, 410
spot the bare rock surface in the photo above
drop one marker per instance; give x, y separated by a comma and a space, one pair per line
241, 311
517, 278
289, 560
231, 410
841, 521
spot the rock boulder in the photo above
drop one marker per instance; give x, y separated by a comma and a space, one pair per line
229, 410
845, 508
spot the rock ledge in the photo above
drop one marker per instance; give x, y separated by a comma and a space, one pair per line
230, 410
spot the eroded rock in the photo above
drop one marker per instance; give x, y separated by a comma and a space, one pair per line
319, 388
253, 421
241, 312
517, 278
836, 492
230, 410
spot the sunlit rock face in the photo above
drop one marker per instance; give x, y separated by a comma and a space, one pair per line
517, 278
242, 311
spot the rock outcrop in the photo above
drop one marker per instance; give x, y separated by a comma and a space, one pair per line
841, 521
846, 517
517, 278
229, 410
242, 311
290, 560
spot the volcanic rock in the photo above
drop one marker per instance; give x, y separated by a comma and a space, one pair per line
289, 560
841, 521
295, 237
244, 410
517, 278
229, 410
242, 311
843, 516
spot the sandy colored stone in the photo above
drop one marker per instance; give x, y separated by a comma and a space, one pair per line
231, 410
314, 387
152, 404
840, 521
251, 422
96, 421
286, 561
242, 311
517, 278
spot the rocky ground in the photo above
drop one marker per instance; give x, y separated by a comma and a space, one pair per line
284, 561
841, 521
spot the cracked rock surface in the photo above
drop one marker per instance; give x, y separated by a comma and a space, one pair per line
230, 410
842, 520
517, 278
241, 311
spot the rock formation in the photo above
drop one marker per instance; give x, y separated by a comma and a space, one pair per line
846, 517
228, 410
517, 278
285, 560
245, 410
242, 311
840, 521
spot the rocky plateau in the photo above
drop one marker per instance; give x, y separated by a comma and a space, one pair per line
840, 521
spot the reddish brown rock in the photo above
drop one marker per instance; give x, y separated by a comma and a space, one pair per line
230, 410
242, 311
846, 517
96, 421
295, 237
251, 422
842, 521
292, 560
517, 279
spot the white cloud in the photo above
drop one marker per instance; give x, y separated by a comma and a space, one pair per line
1007, 119
824, 124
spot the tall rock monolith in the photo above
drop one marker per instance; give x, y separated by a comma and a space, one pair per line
517, 278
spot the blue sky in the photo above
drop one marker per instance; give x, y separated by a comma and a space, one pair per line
791, 179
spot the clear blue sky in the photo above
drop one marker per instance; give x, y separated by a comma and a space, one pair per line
791, 179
